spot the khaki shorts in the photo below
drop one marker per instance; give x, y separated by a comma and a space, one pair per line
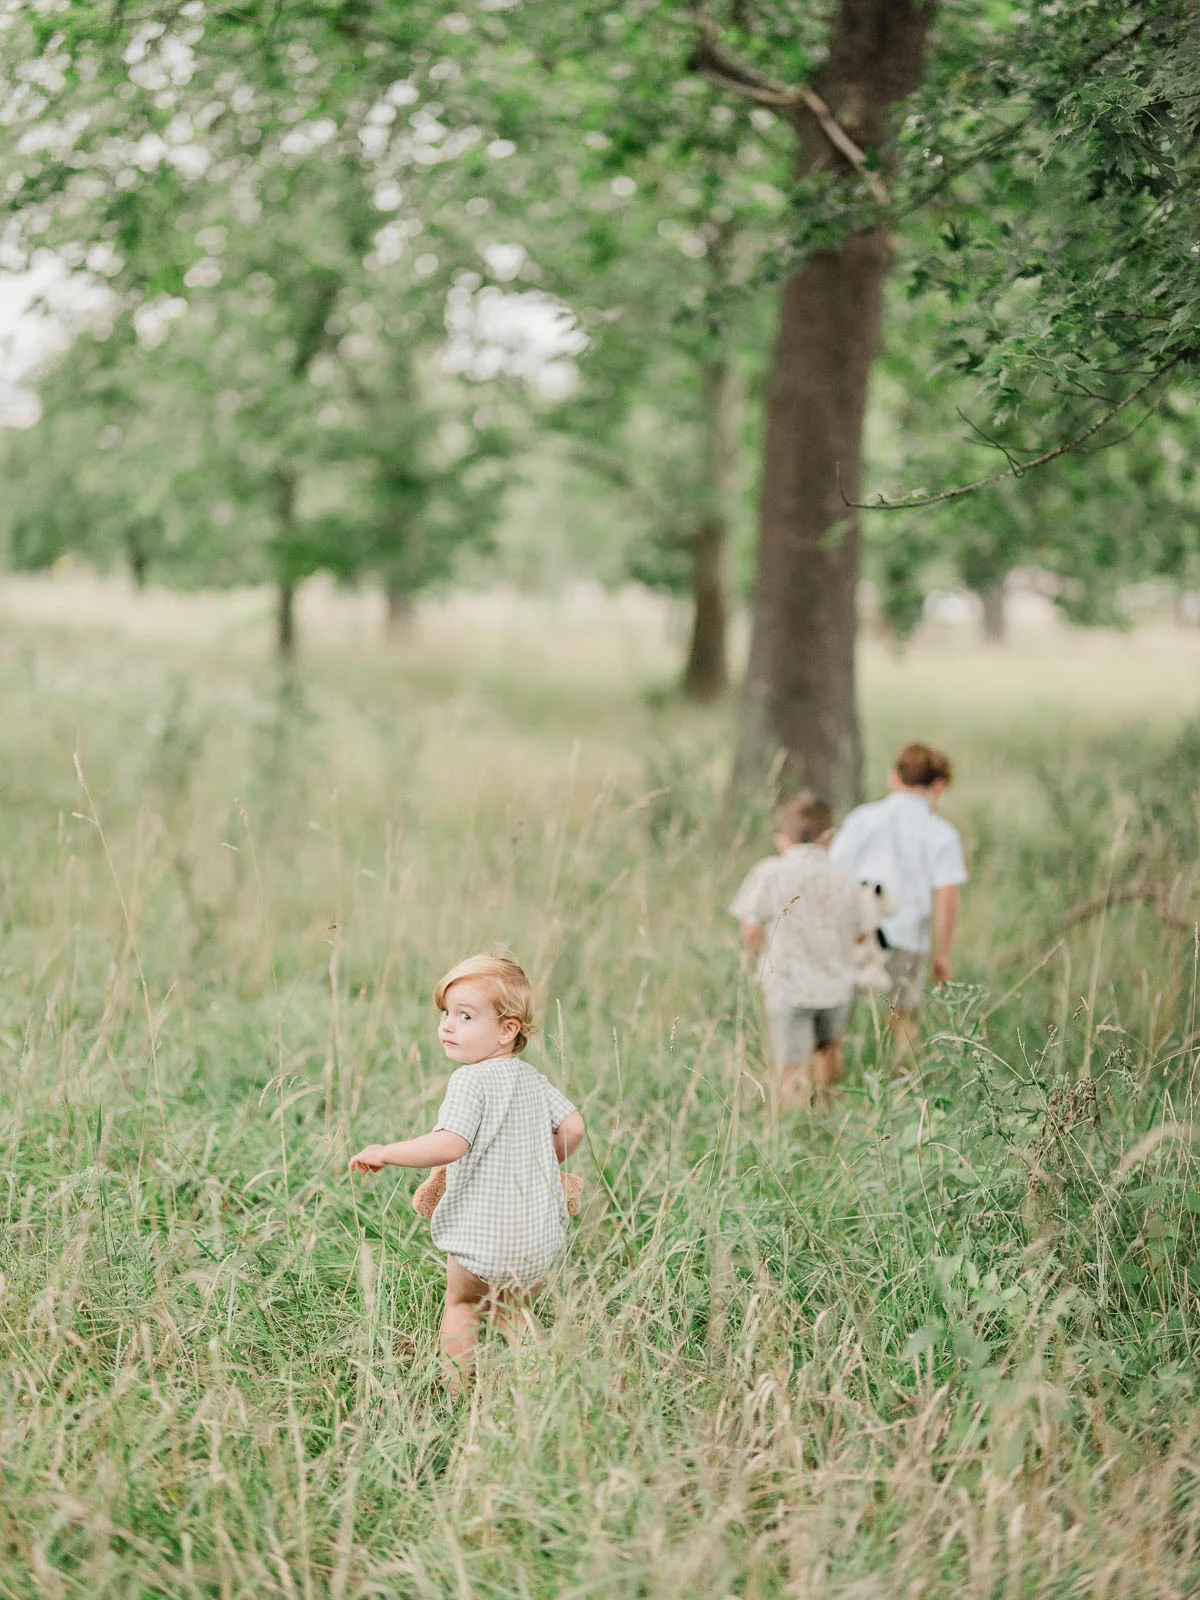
796, 1031
906, 968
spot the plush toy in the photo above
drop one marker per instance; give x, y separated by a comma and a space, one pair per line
870, 967
425, 1199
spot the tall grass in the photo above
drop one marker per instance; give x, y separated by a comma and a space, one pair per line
943, 1341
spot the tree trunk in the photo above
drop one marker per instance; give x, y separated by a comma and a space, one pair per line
139, 562
800, 689
286, 616
399, 608
992, 596
285, 511
707, 673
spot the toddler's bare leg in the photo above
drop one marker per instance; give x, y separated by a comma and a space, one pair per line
827, 1074
792, 1043
466, 1296
512, 1312
827, 1064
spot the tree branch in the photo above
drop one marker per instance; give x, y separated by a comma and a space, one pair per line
1017, 469
1155, 895
713, 62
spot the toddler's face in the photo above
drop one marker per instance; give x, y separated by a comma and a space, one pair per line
470, 1029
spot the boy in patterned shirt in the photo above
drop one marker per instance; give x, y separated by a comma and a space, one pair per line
502, 1133
803, 916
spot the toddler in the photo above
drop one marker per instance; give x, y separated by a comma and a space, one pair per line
502, 1133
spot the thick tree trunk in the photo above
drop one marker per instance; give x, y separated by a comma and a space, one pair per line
707, 674
800, 689
992, 596
286, 619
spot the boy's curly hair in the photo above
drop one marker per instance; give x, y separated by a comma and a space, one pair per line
920, 765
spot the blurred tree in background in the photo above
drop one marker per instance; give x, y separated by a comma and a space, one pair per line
372, 267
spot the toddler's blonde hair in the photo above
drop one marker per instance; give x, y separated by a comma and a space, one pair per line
508, 988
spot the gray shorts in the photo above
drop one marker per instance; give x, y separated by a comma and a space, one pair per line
906, 968
796, 1031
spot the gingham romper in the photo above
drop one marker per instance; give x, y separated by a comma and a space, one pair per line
503, 1216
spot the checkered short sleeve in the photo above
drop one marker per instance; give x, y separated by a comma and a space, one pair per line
560, 1107
462, 1108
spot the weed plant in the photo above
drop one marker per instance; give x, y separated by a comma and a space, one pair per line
942, 1341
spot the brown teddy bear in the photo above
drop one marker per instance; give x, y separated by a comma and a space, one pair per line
426, 1197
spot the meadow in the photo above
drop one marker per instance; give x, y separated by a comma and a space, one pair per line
940, 1341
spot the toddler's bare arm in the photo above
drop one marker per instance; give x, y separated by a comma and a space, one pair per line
567, 1136
436, 1149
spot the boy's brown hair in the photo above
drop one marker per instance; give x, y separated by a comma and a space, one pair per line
508, 988
804, 820
920, 765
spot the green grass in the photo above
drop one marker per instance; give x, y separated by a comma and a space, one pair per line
942, 1342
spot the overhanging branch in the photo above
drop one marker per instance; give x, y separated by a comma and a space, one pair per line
713, 62
1018, 469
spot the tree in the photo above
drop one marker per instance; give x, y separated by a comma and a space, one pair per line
800, 688
235, 203
658, 240
659, 415
1041, 283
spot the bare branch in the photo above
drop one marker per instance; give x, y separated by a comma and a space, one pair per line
1019, 469
996, 444
1155, 895
841, 140
715, 63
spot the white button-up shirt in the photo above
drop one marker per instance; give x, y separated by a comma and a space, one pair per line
902, 843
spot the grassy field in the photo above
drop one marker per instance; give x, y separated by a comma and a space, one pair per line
940, 1342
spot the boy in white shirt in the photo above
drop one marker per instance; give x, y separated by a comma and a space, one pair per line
803, 916
917, 856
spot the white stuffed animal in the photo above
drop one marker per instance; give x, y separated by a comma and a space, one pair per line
870, 967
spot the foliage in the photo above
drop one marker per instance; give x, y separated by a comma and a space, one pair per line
261, 251
249, 180
1098, 522
1060, 237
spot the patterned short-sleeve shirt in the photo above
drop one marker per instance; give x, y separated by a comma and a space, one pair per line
812, 915
504, 1215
